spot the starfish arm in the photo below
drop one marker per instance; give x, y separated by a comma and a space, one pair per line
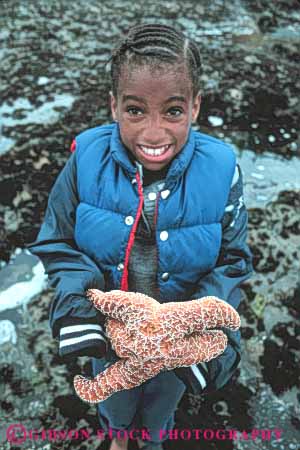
124, 374
217, 313
191, 316
197, 348
122, 340
122, 305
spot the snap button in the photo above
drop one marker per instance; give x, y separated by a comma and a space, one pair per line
164, 235
152, 195
133, 181
165, 194
120, 267
129, 220
165, 276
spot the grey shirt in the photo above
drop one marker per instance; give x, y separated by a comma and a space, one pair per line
142, 269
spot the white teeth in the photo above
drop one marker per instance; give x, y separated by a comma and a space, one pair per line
154, 151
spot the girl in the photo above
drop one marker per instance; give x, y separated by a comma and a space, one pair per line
146, 204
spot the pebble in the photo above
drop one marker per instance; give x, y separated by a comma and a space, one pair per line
39, 164
271, 138
42, 81
293, 146
252, 59
7, 332
261, 198
11, 220
22, 196
236, 94
258, 176
215, 121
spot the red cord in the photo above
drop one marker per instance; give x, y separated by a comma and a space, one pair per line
73, 146
124, 281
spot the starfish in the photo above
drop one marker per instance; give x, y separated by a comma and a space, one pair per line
150, 337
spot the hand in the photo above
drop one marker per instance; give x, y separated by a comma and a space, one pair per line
154, 336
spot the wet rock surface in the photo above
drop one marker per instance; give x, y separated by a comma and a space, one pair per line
53, 84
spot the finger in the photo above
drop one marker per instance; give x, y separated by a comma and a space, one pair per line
122, 305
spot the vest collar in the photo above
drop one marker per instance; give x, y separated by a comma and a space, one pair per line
119, 152
178, 165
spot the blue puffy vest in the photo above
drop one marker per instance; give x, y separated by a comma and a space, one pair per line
189, 211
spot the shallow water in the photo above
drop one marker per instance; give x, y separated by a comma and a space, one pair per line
52, 86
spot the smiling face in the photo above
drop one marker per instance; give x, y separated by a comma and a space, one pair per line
155, 109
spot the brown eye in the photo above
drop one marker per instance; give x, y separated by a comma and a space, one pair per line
134, 111
175, 112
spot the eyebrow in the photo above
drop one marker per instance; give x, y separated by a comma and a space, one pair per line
177, 98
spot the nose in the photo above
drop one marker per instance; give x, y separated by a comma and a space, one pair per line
154, 132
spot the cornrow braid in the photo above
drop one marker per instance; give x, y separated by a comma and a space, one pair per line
155, 44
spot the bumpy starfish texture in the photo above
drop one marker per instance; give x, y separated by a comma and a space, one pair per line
150, 337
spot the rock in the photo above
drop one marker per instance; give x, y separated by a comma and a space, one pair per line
54, 84
7, 332
20, 281
23, 196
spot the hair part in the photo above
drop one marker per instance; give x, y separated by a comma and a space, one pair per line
155, 45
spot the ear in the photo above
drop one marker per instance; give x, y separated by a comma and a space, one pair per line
113, 106
196, 107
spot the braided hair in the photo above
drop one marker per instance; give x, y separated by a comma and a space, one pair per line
155, 45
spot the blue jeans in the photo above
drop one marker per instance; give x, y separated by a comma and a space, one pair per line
151, 405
